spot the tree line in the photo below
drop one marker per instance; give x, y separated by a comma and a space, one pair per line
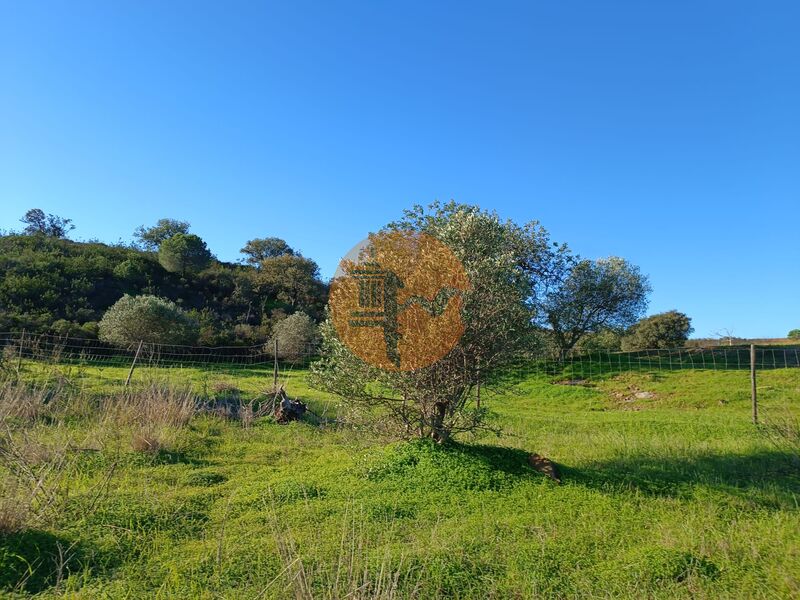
174, 288
49, 283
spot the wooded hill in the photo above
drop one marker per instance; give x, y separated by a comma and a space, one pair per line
51, 284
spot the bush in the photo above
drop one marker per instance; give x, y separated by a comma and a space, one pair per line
148, 319
666, 330
295, 334
794, 334
605, 340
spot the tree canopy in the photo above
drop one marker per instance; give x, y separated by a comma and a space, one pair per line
38, 223
260, 249
183, 252
151, 238
595, 295
56, 285
504, 262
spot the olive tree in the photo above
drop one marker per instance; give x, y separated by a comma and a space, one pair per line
183, 253
595, 295
665, 330
148, 319
507, 265
296, 335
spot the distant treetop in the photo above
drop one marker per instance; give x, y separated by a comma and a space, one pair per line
260, 249
151, 238
38, 223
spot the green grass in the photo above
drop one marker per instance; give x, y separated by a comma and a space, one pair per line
676, 495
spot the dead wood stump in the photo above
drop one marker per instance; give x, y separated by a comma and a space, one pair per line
545, 466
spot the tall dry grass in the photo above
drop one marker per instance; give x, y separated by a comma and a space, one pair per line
154, 415
34, 485
43, 432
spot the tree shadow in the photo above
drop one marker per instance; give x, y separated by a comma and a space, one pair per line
33, 560
511, 461
766, 479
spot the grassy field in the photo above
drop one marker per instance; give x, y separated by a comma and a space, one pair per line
668, 491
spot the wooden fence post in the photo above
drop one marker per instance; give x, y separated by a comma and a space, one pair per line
133, 364
753, 392
19, 354
275, 366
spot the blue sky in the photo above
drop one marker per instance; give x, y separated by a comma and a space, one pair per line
664, 132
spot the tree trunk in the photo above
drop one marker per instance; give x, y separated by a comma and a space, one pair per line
438, 431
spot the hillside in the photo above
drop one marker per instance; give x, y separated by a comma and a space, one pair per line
62, 286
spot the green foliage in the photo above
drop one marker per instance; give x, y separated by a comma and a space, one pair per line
425, 464
680, 498
148, 319
794, 334
296, 336
183, 253
665, 330
291, 281
150, 238
38, 223
504, 262
260, 249
604, 340
595, 295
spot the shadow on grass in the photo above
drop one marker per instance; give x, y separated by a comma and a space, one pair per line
511, 461
768, 479
33, 561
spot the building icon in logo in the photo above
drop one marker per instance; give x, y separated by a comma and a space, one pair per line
396, 300
377, 301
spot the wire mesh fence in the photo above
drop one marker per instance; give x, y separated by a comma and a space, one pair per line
717, 358
30, 353
22, 346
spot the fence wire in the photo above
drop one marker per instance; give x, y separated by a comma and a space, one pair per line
71, 350
716, 358
18, 347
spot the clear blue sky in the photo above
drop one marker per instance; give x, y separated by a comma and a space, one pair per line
664, 132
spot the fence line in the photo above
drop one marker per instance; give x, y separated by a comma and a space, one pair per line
61, 349
70, 350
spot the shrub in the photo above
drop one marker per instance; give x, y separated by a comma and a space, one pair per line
666, 330
794, 334
605, 340
296, 334
148, 319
